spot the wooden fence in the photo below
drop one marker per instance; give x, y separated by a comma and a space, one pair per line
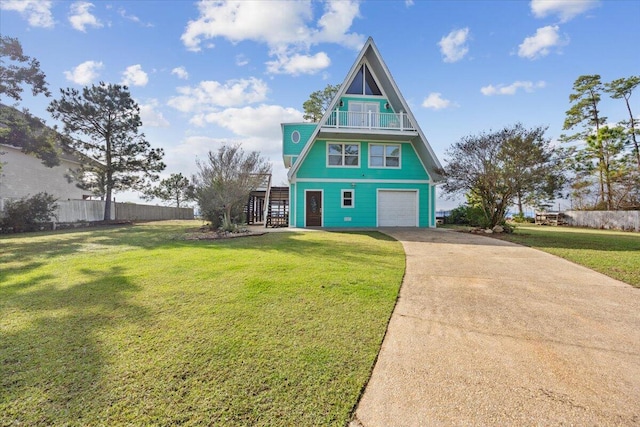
70, 211
608, 220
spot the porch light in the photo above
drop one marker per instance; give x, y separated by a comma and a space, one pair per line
386, 106
341, 103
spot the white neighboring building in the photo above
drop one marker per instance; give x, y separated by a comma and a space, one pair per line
24, 175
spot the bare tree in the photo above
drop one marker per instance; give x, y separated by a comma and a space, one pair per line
225, 181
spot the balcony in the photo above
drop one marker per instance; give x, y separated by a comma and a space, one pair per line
369, 120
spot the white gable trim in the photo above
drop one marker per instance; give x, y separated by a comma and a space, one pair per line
342, 92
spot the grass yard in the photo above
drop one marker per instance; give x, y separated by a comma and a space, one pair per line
135, 325
614, 253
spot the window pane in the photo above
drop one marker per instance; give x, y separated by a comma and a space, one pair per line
335, 160
351, 160
377, 161
393, 162
377, 150
351, 149
393, 150
346, 202
347, 194
371, 88
356, 85
335, 149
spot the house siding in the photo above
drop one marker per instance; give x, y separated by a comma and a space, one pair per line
289, 147
315, 164
23, 175
364, 212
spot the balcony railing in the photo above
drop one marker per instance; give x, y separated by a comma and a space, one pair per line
369, 120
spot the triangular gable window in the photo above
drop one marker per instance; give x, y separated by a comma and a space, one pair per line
363, 83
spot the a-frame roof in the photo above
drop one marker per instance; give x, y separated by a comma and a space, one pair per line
390, 89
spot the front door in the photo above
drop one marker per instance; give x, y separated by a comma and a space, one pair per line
313, 209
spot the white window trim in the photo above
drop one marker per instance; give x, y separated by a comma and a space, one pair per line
353, 198
343, 154
384, 157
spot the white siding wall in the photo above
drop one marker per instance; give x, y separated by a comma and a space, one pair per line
23, 175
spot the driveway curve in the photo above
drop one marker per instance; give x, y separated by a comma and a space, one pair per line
486, 332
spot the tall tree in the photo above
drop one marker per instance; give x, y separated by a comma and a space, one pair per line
494, 169
318, 102
103, 123
21, 129
584, 111
623, 88
175, 190
18, 71
225, 181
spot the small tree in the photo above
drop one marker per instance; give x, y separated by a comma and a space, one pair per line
494, 169
103, 123
175, 190
318, 102
225, 181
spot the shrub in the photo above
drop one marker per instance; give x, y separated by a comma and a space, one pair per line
28, 213
467, 215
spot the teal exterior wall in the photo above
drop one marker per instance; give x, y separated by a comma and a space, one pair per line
315, 165
364, 211
364, 181
382, 101
289, 148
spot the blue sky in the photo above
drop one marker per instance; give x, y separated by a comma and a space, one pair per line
205, 73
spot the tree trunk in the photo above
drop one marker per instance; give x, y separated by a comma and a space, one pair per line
107, 206
633, 132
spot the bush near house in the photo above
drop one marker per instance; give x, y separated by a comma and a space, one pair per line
28, 213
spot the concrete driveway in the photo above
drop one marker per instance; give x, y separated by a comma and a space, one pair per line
491, 333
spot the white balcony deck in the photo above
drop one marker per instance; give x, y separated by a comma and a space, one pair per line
369, 120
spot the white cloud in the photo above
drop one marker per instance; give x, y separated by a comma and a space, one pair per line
262, 121
134, 76
181, 72
211, 94
511, 89
540, 44
299, 64
241, 60
37, 12
435, 101
286, 27
85, 73
334, 24
150, 115
564, 9
454, 45
408, 3
80, 16
133, 18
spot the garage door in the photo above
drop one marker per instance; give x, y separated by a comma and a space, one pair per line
397, 208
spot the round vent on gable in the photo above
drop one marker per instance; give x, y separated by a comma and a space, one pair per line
295, 136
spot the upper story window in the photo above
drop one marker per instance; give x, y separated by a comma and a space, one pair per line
384, 155
343, 155
363, 83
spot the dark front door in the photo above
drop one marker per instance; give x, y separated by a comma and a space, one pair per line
314, 209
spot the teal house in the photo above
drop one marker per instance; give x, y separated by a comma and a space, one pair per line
366, 163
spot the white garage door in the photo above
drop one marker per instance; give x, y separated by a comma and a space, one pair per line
397, 208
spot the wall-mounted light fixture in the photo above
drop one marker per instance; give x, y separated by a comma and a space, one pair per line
387, 106
341, 103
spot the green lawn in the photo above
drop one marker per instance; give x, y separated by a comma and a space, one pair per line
135, 325
614, 253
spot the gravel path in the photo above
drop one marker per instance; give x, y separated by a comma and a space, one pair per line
486, 332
